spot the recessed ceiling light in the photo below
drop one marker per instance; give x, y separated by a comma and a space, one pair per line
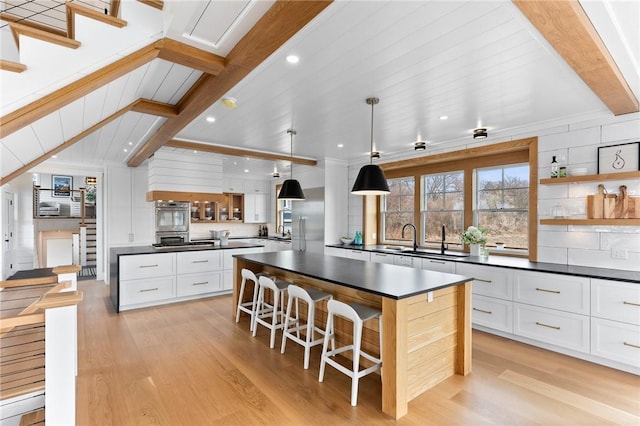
130, 143
293, 59
125, 150
235, 163
340, 145
444, 117
195, 152
211, 119
229, 102
246, 170
54, 156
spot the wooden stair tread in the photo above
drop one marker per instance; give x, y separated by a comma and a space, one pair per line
33, 418
24, 389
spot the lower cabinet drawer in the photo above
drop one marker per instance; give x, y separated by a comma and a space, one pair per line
564, 329
616, 301
615, 341
488, 280
492, 313
191, 284
147, 290
563, 292
439, 265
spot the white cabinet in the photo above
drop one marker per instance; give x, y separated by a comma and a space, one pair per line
492, 313
202, 283
147, 266
281, 245
616, 341
232, 184
488, 281
335, 251
614, 300
146, 278
382, 258
438, 265
148, 291
564, 292
558, 328
406, 261
192, 262
129, 217
358, 254
256, 187
255, 208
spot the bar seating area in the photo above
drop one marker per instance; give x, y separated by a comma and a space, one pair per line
267, 308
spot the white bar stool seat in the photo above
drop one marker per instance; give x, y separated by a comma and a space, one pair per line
295, 325
270, 316
358, 315
248, 307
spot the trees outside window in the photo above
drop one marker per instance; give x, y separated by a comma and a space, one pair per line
442, 203
397, 207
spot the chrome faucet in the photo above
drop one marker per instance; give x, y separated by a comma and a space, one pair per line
415, 234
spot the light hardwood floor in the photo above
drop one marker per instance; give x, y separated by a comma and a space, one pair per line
191, 364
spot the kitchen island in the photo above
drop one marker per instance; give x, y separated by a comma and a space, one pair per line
426, 315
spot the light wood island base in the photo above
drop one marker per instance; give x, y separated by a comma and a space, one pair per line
426, 338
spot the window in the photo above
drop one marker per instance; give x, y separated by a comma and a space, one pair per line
397, 207
283, 214
502, 204
442, 204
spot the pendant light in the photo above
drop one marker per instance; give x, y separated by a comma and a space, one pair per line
371, 180
291, 189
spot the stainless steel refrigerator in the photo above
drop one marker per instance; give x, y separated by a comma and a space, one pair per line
307, 217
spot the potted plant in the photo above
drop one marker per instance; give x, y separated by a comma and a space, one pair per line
475, 237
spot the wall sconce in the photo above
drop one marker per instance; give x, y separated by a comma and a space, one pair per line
420, 146
480, 133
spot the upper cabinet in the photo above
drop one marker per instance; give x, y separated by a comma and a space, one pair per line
256, 187
255, 208
232, 184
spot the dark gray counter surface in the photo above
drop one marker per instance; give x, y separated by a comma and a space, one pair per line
118, 251
521, 263
394, 282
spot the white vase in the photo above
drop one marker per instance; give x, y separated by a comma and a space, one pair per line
474, 249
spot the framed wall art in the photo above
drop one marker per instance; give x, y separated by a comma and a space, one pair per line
624, 157
61, 185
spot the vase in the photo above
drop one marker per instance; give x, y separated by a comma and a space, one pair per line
474, 249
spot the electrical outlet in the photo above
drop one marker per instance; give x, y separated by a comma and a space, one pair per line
373, 235
618, 253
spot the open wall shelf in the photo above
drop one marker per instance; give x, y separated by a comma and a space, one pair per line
611, 222
590, 178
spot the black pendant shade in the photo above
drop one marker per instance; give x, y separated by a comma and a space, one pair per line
291, 190
370, 181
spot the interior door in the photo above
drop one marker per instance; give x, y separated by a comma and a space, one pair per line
7, 234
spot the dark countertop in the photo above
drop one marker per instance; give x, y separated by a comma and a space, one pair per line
392, 281
129, 250
33, 273
518, 263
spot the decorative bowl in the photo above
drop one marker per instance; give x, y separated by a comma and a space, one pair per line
346, 240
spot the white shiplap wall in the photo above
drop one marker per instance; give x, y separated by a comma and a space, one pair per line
172, 171
574, 145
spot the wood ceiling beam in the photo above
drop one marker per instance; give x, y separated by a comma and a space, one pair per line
161, 109
568, 29
52, 102
189, 56
158, 4
12, 66
225, 150
48, 36
65, 145
279, 24
7, 17
73, 9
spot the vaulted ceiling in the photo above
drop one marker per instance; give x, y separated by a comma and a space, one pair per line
481, 63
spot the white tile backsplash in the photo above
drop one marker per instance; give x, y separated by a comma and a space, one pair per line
615, 240
559, 239
552, 255
603, 259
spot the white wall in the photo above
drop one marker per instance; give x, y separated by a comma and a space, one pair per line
574, 145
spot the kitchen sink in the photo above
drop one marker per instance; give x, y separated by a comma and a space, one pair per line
393, 248
431, 253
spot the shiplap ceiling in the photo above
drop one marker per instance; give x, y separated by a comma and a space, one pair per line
481, 63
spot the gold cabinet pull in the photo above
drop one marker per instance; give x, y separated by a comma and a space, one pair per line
631, 303
483, 311
547, 325
632, 345
547, 291
483, 281
201, 283
436, 261
200, 261
148, 289
148, 266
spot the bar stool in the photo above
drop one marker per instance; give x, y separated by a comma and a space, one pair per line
294, 324
357, 314
248, 307
265, 311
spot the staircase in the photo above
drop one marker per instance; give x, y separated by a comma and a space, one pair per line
88, 257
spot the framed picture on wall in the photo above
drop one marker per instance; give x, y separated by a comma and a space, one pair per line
61, 185
624, 157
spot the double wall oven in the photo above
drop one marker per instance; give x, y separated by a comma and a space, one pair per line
172, 222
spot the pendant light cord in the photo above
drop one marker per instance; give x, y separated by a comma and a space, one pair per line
371, 147
291, 133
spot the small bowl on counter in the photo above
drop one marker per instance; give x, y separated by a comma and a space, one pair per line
346, 240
